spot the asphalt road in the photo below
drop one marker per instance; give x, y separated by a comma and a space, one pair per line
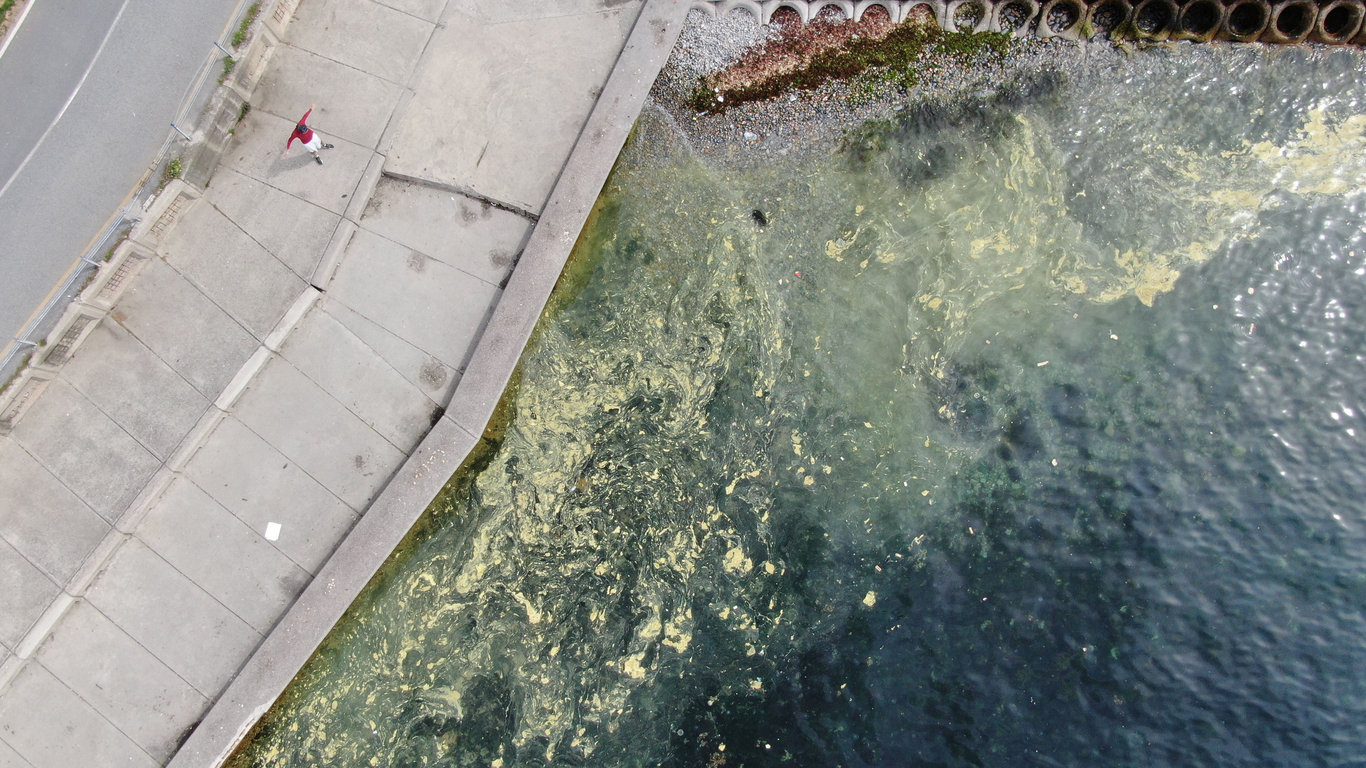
88, 89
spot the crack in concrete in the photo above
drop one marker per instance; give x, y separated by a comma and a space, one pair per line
501, 205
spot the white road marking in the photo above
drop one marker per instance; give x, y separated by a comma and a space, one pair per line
69, 99
14, 30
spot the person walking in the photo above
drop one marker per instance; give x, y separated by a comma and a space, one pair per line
307, 137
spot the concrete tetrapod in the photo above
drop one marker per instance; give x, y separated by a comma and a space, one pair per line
924, 12
1014, 17
1339, 21
1200, 21
1291, 22
1245, 20
1062, 18
891, 7
1335, 22
1105, 17
815, 8
751, 7
968, 16
1155, 19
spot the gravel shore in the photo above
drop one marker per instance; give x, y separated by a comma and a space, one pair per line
813, 121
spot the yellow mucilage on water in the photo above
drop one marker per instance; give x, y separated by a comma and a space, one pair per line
710, 462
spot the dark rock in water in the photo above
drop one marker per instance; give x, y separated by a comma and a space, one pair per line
759, 217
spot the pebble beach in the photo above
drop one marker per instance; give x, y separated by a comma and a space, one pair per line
806, 121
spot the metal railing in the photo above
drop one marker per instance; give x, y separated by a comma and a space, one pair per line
186, 129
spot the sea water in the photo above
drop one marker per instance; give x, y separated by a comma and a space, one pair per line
1022, 429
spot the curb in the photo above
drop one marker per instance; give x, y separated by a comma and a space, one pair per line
14, 28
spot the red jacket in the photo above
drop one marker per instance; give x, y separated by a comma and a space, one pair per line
305, 136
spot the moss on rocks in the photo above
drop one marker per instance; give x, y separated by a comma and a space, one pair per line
895, 57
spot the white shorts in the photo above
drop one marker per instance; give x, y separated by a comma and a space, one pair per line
314, 144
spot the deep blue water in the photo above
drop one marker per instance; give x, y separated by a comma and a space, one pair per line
1025, 431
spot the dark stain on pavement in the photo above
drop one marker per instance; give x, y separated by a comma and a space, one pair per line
433, 374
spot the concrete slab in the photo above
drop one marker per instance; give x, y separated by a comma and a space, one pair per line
185, 328
221, 554
84, 449
352, 104
121, 680
524, 10
311, 618
295, 231
433, 377
25, 592
135, 388
256, 152
364, 35
42, 518
468, 234
506, 335
11, 759
512, 106
232, 269
172, 617
259, 485
439, 309
333, 445
415, 483
338, 361
429, 10
51, 727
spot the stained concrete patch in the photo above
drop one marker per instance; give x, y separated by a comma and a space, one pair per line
353, 373
293, 230
439, 309
51, 727
185, 328
85, 450
358, 112
259, 485
136, 389
43, 519
333, 445
362, 34
437, 379
221, 554
25, 592
232, 269
172, 617
121, 680
466, 233
511, 106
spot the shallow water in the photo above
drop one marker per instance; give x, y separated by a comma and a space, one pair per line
1024, 430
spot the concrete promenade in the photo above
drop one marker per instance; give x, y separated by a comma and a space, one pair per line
293, 360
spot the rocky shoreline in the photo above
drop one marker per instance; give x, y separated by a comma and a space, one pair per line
801, 122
